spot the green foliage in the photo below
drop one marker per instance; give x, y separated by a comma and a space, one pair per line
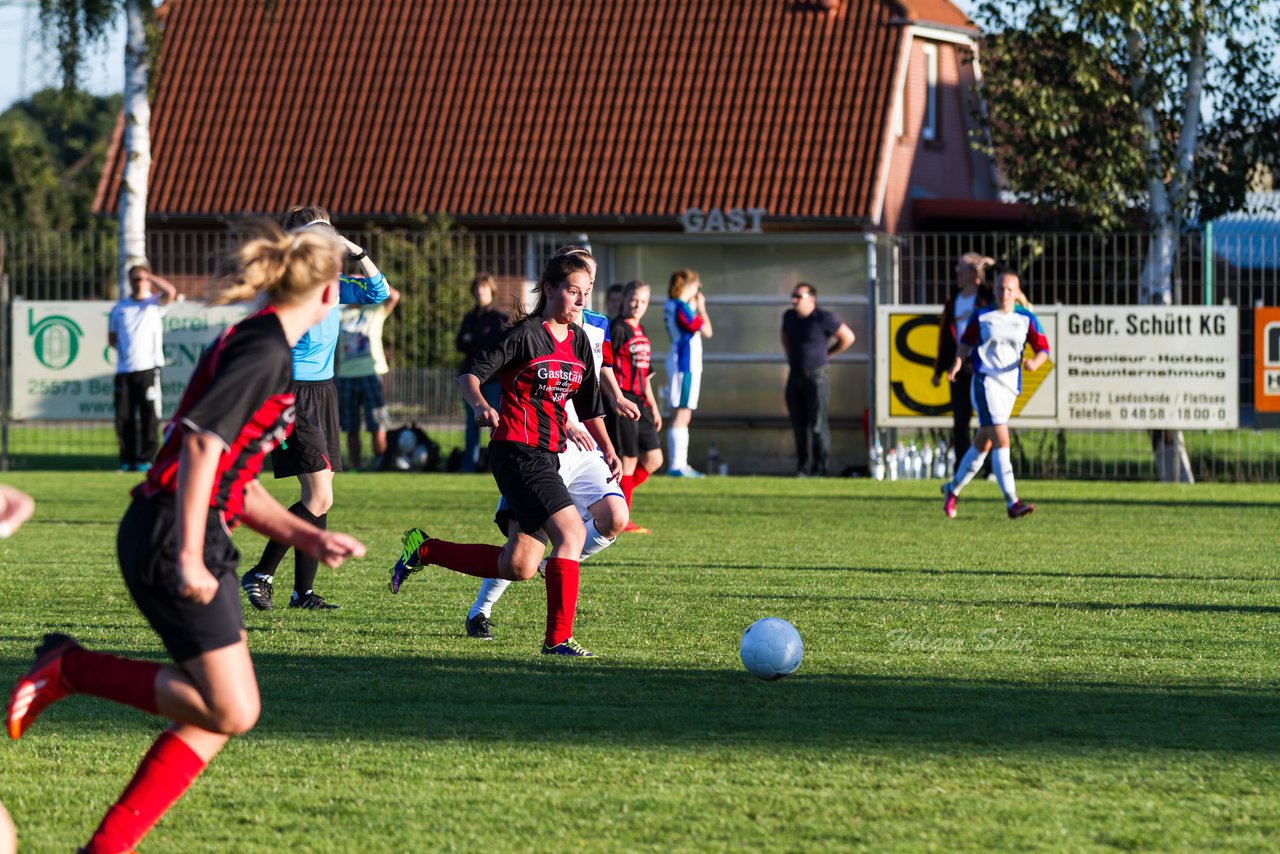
1100, 676
431, 263
1061, 87
74, 26
52, 149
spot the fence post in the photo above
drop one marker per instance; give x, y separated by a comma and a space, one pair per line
1208, 263
5, 372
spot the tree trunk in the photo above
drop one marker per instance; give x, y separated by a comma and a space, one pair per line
137, 145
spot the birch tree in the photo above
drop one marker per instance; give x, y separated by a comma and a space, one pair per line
76, 24
1155, 113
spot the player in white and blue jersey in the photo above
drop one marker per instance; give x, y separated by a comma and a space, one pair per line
685, 315
595, 493
995, 340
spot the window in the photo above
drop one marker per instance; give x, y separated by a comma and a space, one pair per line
929, 129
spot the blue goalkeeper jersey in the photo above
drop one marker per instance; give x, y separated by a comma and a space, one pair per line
313, 354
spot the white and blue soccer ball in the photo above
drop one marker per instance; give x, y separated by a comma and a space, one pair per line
771, 648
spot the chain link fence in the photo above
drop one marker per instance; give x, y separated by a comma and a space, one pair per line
433, 265
1086, 269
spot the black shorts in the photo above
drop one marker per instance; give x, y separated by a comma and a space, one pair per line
636, 437
147, 547
529, 480
315, 443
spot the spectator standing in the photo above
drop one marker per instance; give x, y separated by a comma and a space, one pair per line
810, 337
972, 294
482, 328
361, 367
687, 322
135, 329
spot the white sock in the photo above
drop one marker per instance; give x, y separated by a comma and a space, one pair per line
596, 542
967, 468
490, 592
1004, 475
678, 444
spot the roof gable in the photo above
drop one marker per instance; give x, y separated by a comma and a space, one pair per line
521, 108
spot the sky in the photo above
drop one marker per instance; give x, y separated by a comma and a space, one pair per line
26, 66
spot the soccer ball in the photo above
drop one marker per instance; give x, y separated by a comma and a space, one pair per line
771, 648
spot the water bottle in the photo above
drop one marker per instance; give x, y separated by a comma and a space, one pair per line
926, 460
951, 462
913, 462
713, 458
940, 460
877, 461
904, 464
891, 463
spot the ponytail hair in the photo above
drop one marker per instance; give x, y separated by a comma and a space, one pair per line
557, 270
284, 267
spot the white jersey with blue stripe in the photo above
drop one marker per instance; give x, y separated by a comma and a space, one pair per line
998, 340
596, 326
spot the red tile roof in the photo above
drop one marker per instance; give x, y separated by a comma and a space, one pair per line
545, 110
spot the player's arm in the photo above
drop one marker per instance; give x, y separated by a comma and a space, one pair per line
622, 407
393, 299
197, 469
265, 515
700, 306
1039, 343
595, 426
651, 401
486, 415
16, 507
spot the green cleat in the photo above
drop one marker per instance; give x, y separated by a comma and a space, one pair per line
408, 563
568, 647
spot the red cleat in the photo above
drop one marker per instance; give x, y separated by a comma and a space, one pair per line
41, 686
1019, 509
949, 502
633, 528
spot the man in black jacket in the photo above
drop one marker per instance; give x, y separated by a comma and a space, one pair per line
972, 295
482, 327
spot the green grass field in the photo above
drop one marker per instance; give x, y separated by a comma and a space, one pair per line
1100, 676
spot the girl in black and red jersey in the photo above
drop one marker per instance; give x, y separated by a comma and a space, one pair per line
175, 547
638, 443
542, 361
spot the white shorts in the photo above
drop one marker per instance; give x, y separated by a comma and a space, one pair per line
992, 400
585, 474
682, 393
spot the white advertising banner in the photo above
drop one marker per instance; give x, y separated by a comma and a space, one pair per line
1150, 368
63, 368
1111, 367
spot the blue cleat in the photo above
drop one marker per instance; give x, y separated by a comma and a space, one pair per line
568, 647
684, 472
408, 563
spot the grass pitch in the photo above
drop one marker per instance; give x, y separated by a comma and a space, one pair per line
1099, 676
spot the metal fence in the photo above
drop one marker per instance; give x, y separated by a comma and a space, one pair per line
433, 266
1084, 269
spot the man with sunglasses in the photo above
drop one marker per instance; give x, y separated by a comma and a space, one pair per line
136, 330
810, 337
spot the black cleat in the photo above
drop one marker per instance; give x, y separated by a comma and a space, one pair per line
479, 627
312, 602
258, 589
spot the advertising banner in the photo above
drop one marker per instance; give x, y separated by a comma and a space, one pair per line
1110, 367
63, 368
906, 345
1266, 359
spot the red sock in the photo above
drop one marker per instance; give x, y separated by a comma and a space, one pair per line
168, 770
562, 598
480, 560
640, 476
628, 485
124, 680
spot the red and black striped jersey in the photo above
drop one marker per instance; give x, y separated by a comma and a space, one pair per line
239, 393
538, 375
632, 356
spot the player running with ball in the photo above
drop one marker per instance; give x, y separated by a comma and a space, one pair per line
175, 547
545, 361
996, 337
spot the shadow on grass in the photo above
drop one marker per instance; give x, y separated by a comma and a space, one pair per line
600, 703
